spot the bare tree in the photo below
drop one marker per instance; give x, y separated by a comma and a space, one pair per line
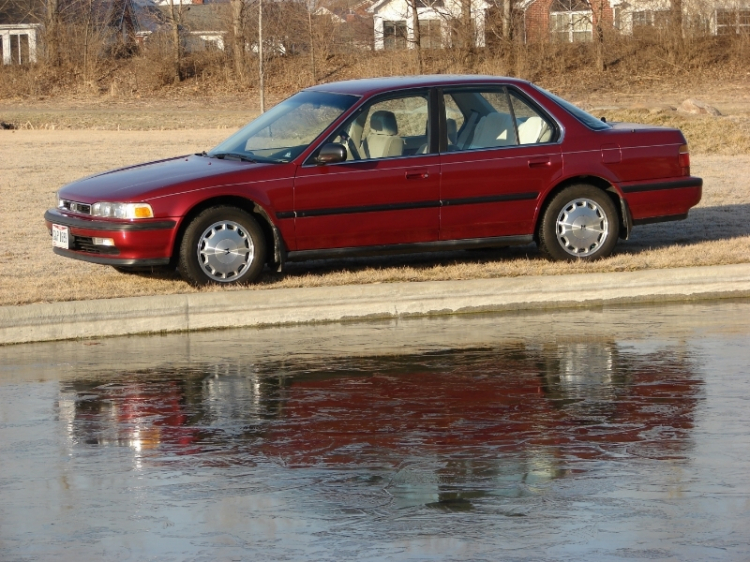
676, 21
239, 8
597, 11
416, 33
174, 14
52, 32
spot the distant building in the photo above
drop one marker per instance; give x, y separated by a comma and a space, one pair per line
394, 27
202, 26
574, 20
20, 33
18, 43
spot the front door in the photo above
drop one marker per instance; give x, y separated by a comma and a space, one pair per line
388, 190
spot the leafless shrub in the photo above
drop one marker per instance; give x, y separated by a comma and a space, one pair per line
324, 40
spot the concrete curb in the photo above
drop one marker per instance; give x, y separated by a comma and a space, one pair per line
234, 309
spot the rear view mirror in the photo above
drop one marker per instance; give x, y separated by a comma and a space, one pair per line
331, 153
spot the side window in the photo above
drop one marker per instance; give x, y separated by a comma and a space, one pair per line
533, 128
387, 129
487, 119
454, 120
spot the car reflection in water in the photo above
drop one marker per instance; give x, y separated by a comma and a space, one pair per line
441, 429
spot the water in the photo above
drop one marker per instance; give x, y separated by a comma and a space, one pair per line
612, 434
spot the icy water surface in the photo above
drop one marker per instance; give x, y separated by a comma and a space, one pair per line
616, 434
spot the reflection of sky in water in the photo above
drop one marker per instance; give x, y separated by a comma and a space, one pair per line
591, 449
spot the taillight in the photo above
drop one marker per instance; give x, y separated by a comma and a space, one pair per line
684, 159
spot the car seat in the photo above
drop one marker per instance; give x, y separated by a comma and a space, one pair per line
382, 140
494, 129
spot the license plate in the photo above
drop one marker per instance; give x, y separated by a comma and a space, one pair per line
60, 236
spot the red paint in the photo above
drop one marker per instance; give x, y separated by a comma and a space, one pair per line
354, 199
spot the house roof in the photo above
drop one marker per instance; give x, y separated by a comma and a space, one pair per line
28, 11
195, 17
377, 5
205, 17
105, 12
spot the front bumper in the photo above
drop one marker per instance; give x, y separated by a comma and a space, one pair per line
141, 243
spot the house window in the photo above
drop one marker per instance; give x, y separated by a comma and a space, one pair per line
430, 34
647, 21
729, 22
640, 19
570, 21
394, 35
19, 48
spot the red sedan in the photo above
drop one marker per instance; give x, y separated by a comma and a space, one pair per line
382, 166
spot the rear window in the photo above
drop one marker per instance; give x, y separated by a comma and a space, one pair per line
586, 118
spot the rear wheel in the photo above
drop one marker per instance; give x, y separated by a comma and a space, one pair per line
580, 222
222, 245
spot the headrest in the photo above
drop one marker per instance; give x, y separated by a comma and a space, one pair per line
496, 122
452, 130
384, 123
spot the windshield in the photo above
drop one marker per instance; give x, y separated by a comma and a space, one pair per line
282, 133
586, 118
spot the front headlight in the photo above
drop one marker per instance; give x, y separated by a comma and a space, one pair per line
122, 210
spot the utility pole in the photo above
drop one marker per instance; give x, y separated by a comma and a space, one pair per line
260, 58
312, 43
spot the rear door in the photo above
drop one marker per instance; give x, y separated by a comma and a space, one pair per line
502, 156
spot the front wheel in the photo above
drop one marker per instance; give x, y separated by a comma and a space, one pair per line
222, 245
580, 222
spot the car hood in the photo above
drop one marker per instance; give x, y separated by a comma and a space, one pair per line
163, 177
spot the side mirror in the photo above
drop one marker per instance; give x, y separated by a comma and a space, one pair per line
331, 153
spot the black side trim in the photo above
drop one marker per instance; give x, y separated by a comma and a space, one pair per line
366, 209
674, 184
54, 216
108, 260
416, 248
652, 220
491, 199
404, 206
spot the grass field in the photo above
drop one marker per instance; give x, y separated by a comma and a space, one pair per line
36, 163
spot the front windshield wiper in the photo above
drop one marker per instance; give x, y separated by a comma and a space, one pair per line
234, 156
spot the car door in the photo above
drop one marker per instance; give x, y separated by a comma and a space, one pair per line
386, 192
501, 155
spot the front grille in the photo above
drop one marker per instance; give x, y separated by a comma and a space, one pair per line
75, 207
86, 244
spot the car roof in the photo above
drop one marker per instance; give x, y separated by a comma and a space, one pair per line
378, 85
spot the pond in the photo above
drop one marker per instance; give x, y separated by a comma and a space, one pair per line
612, 434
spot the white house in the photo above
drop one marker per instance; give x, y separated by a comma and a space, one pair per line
18, 42
394, 28
573, 20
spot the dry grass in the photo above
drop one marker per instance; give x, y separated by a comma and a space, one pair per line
706, 134
36, 163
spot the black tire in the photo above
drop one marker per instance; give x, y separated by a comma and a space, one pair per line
579, 223
222, 245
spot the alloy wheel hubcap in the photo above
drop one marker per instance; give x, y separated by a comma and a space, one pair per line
225, 251
581, 227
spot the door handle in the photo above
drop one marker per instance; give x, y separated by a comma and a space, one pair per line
540, 163
417, 175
